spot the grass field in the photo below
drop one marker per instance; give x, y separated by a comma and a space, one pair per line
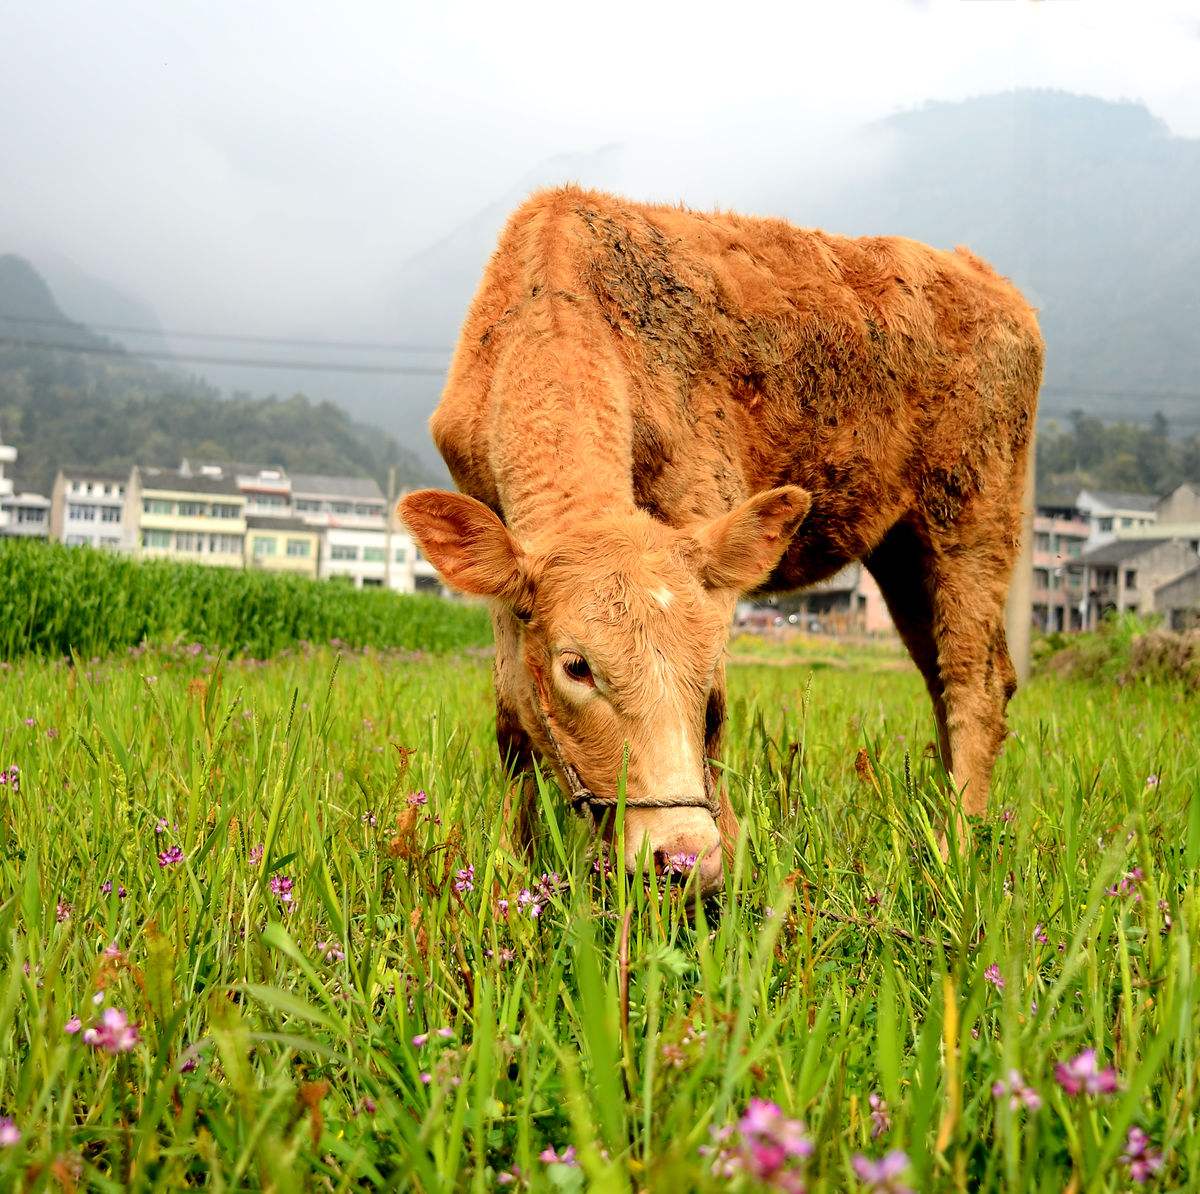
242, 950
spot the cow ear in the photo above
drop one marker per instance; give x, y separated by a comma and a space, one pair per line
466, 543
739, 549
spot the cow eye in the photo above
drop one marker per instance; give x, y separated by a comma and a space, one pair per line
577, 669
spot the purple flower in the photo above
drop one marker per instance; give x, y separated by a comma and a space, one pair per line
10, 1134
331, 951
1143, 1161
566, 1157
447, 1034
528, 902
992, 975
1081, 1075
1039, 935
508, 1177
255, 855
882, 1176
62, 911
464, 880
281, 885
881, 1121
422, 1038
170, 857
369, 819
1019, 1094
1127, 883
106, 888
1152, 781
764, 1145
115, 1034
29, 721
680, 864
161, 826
72, 1026
11, 777
416, 799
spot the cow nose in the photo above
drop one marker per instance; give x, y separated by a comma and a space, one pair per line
679, 841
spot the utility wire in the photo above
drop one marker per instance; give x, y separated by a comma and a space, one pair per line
248, 362
168, 333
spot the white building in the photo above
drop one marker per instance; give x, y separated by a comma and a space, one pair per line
87, 508
26, 515
1109, 514
355, 543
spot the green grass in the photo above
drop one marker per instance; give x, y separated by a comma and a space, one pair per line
846, 960
58, 601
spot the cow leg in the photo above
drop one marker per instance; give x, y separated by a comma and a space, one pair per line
714, 732
513, 743
969, 586
901, 568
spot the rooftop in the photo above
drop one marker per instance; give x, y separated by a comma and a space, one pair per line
1144, 503
1121, 550
85, 472
170, 480
319, 485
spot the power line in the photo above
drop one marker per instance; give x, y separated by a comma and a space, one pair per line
248, 362
174, 334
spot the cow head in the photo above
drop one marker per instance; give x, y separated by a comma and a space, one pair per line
619, 631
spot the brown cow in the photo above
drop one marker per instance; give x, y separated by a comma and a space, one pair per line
654, 411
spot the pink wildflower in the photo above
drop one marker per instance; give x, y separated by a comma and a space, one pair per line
170, 857
881, 1120
62, 911
764, 1145
1081, 1075
422, 1038
446, 1034
1019, 1094
882, 1176
1039, 935
115, 1034
566, 1157
509, 1177
331, 951
106, 889
281, 885
72, 1026
1152, 781
255, 855
417, 799
10, 1134
1143, 1161
992, 975
464, 879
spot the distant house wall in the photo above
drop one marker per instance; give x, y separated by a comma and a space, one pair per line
1181, 505
1178, 601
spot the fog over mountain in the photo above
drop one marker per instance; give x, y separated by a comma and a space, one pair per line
285, 185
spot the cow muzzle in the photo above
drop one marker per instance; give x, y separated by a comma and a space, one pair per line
681, 843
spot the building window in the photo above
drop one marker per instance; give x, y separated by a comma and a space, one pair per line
160, 539
225, 545
299, 547
1126, 522
110, 544
110, 513
1041, 541
374, 555
1105, 525
306, 506
30, 515
343, 551
266, 501
401, 555
79, 513
157, 506
1041, 578
1131, 578
77, 541
342, 507
1074, 548
193, 509
191, 541
368, 511
262, 545
226, 510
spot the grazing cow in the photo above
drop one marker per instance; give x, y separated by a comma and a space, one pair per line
652, 411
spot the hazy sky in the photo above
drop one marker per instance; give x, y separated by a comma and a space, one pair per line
269, 166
